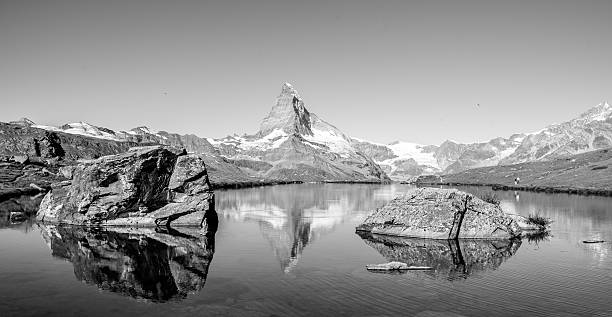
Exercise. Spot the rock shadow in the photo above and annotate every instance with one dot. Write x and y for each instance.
(450, 259)
(156, 264)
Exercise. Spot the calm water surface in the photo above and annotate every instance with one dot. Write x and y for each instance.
(292, 251)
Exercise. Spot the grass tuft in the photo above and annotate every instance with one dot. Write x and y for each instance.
(539, 220)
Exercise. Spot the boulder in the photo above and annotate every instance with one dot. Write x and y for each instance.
(441, 214)
(145, 186)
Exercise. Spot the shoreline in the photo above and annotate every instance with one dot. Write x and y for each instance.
(530, 188)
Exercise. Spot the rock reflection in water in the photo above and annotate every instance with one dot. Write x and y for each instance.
(290, 217)
(145, 263)
(450, 259)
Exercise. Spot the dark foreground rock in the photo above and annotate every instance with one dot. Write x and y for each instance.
(441, 214)
(145, 186)
(153, 264)
(451, 259)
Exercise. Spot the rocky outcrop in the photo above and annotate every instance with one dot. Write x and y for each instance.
(23, 175)
(145, 186)
(441, 214)
(157, 265)
(452, 259)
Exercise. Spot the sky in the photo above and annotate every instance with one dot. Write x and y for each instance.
(378, 70)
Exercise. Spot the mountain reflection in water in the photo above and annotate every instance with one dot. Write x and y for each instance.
(145, 263)
(292, 216)
(450, 259)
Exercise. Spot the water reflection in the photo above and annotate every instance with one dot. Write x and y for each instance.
(152, 264)
(450, 259)
(575, 217)
(292, 216)
(16, 213)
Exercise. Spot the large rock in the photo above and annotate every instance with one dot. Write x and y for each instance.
(441, 214)
(145, 186)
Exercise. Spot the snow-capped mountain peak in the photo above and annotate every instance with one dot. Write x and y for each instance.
(601, 112)
(297, 143)
(288, 114)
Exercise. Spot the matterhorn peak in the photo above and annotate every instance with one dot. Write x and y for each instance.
(287, 89)
(288, 114)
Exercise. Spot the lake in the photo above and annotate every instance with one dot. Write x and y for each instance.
(292, 250)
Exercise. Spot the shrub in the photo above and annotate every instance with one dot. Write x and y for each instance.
(538, 220)
(490, 198)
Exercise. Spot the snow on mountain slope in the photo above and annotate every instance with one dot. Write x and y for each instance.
(415, 151)
(300, 146)
(404, 160)
(83, 128)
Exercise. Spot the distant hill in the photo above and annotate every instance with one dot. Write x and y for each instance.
(586, 173)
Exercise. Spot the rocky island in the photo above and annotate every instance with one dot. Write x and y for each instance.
(441, 214)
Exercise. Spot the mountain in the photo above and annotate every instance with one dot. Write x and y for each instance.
(404, 160)
(295, 144)
(592, 130)
(291, 145)
(81, 140)
(585, 173)
(140, 135)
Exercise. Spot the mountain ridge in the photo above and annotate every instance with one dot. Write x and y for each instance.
(293, 143)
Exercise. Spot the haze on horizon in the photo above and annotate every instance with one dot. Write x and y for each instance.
(378, 70)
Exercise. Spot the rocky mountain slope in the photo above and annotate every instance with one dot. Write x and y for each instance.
(75, 141)
(295, 144)
(292, 145)
(584, 173)
(592, 130)
(404, 160)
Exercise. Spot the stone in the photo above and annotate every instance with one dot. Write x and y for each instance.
(145, 186)
(21, 159)
(441, 214)
(524, 224)
(395, 266)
